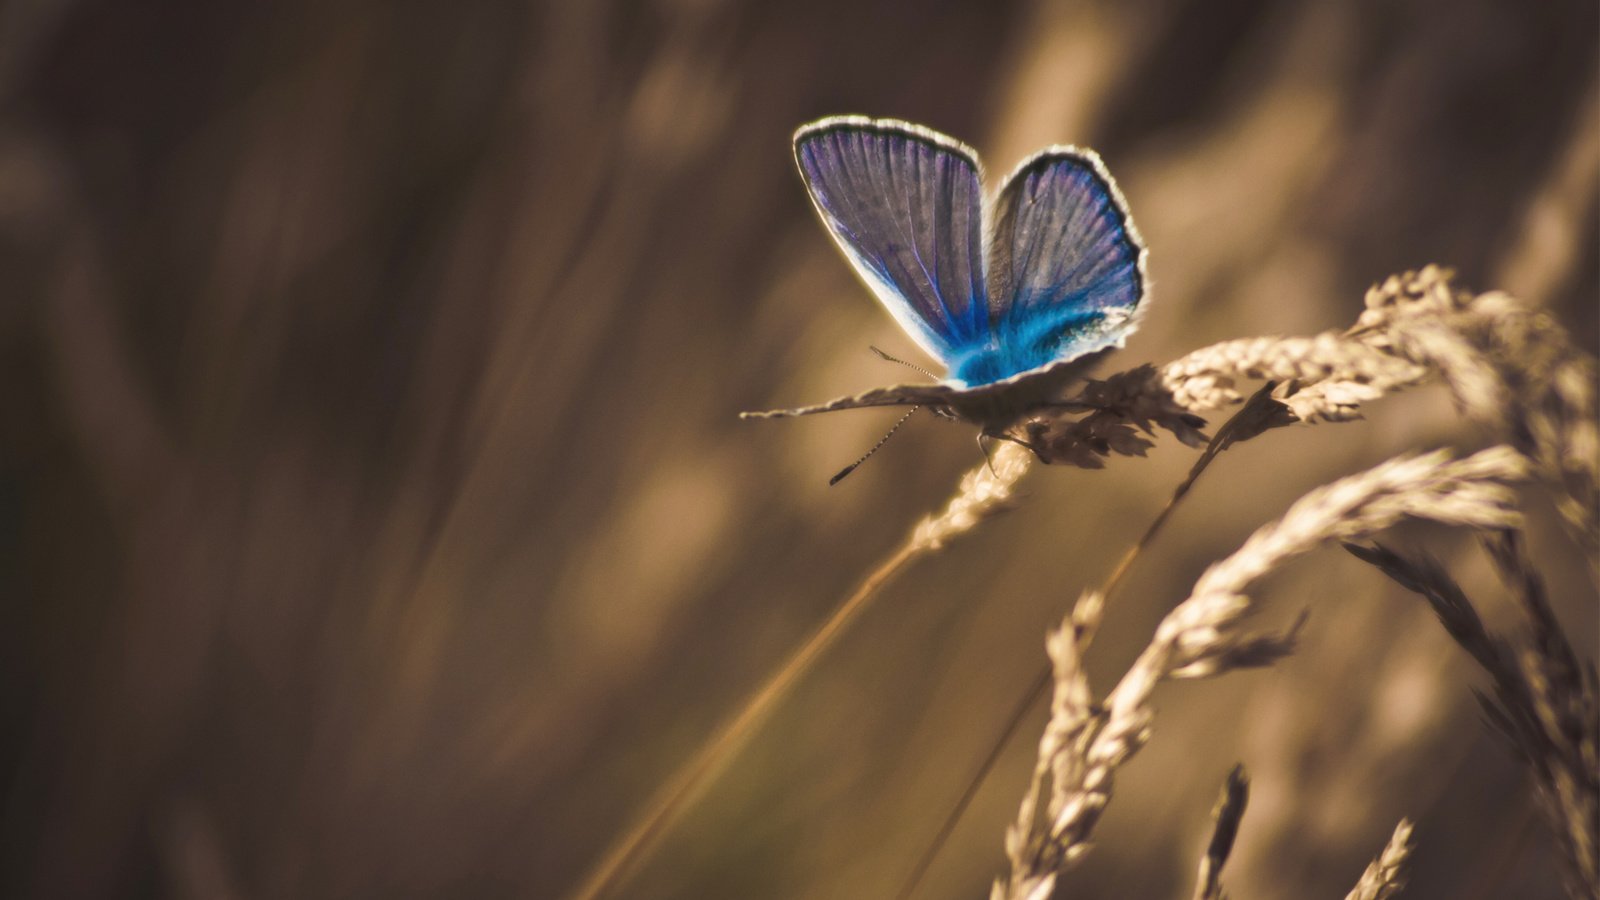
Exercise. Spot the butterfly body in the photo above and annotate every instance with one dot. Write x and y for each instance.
(1017, 297)
(994, 405)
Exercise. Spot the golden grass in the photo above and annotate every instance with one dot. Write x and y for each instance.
(1511, 371)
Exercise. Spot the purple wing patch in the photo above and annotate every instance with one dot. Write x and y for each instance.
(905, 205)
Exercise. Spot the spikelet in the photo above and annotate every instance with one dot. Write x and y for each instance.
(1085, 744)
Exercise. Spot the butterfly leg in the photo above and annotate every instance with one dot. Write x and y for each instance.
(1007, 436)
(984, 449)
(1027, 442)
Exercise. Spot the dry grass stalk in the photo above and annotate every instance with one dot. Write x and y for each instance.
(1335, 373)
(1386, 876)
(1494, 356)
(985, 491)
(1511, 369)
(1084, 743)
(1544, 702)
(1119, 408)
(1257, 415)
(1225, 818)
(1566, 700)
(1415, 326)
(1324, 378)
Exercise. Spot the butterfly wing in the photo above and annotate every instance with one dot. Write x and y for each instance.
(990, 405)
(905, 205)
(899, 395)
(1066, 267)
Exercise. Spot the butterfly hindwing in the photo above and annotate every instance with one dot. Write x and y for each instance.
(1066, 267)
(905, 205)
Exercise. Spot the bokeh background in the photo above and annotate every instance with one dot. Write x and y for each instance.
(376, 521)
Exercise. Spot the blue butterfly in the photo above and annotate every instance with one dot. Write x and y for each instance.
(1015, 310)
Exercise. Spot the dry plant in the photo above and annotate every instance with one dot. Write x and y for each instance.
(1416, 327)
(1085, 742)
(1544, 702)
(984, 492)
(1387, 875)
(1510, 370)
(1225, 818)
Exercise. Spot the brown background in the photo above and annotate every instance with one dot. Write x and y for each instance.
(377, 524)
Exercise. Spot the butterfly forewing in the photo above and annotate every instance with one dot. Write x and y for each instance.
(904, 204)
(1066, 267)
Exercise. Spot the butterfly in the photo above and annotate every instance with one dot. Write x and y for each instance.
(1016, 298)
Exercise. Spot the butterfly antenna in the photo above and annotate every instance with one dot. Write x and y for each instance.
(881, 441)
(895, 359)
(984, 449)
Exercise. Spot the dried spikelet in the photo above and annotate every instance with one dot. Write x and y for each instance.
(1511, 369)
(1225, 818)
(1348, 371)
(1084, 745)
(1035, 859)
(1386, 876)
(1120, 408)
(1544, 703)
(1419, 294)
(1566, 706)
(1323, 378)
(984, 491)
(1468, 492)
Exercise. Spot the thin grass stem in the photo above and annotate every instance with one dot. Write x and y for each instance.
(984, 491)
(683, 788)
(1226, 436)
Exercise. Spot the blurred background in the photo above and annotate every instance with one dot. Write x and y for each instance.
(376, 518)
